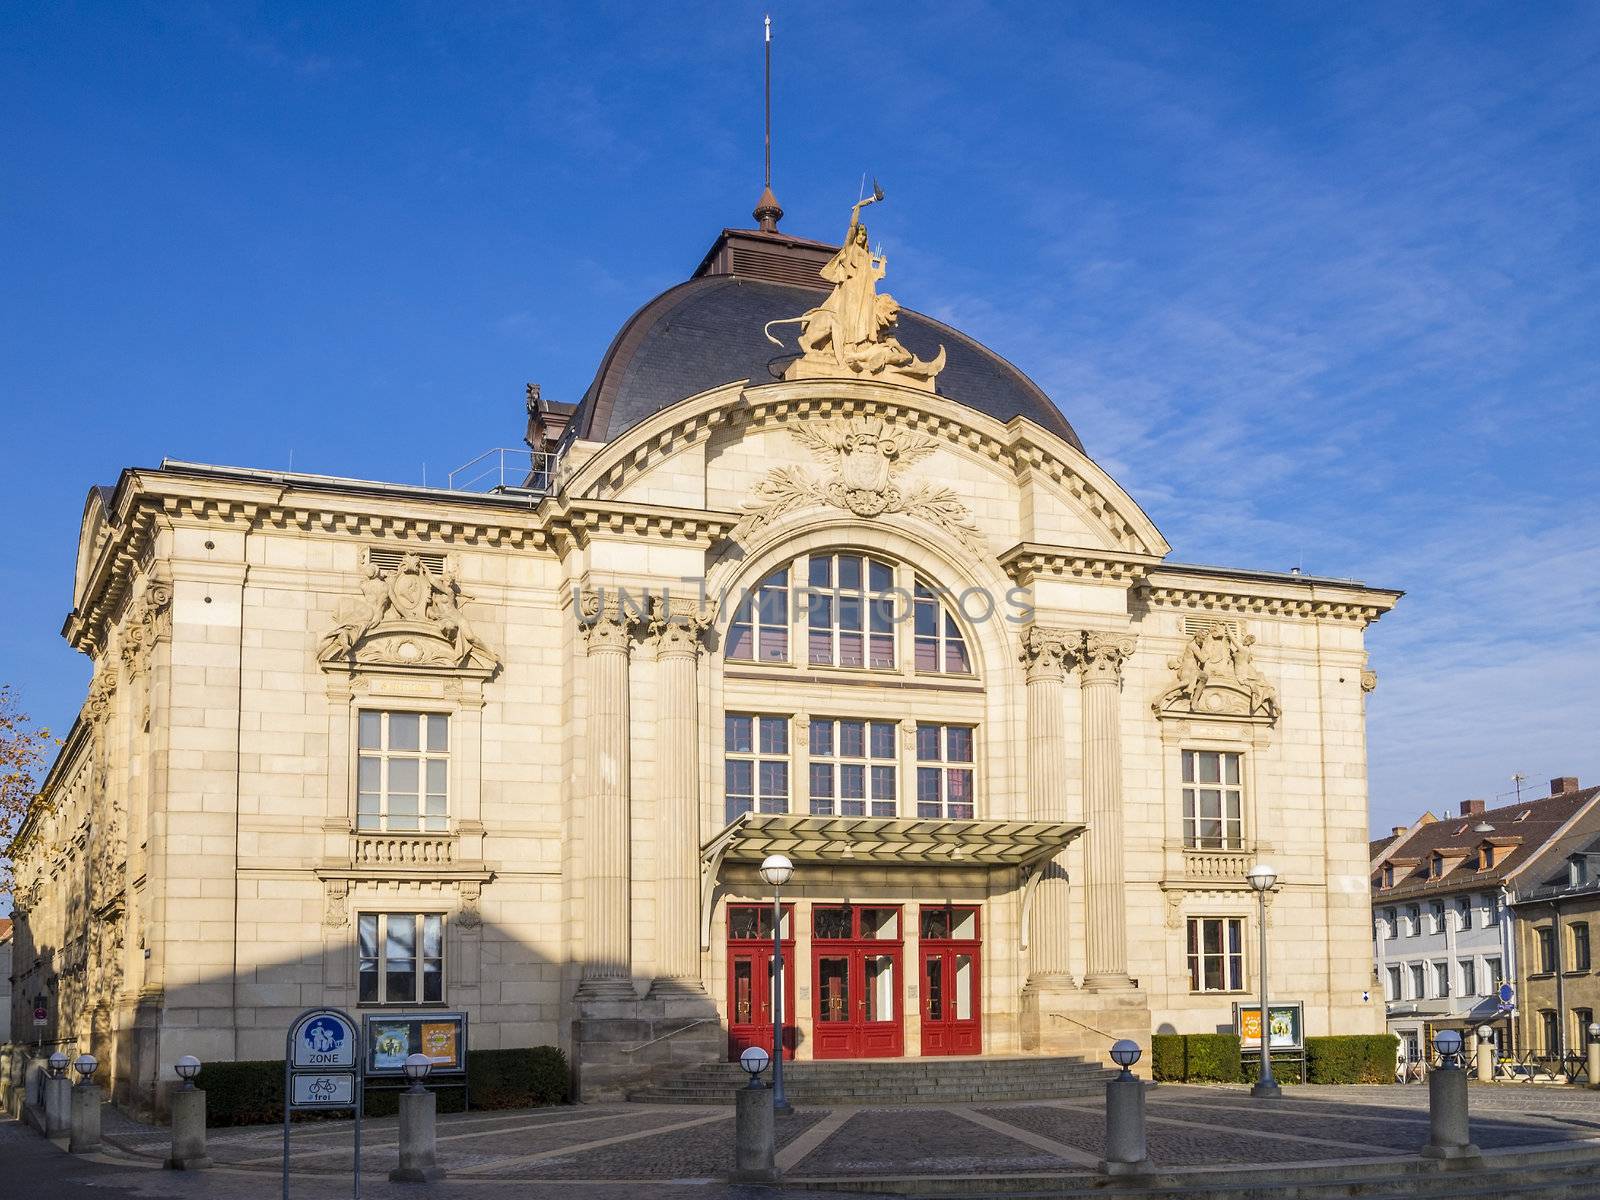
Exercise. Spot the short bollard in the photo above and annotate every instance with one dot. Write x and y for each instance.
(1448, 1137)
(84, 1134)
(1485, 1054)
(418, 1136)
(1125, 1142)
(57, 1098)
(755, 1156)
(188, 1120)
(1594, 1054)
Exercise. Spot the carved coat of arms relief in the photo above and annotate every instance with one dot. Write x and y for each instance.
(864, 458)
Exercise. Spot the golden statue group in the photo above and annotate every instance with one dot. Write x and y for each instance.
(848, 335)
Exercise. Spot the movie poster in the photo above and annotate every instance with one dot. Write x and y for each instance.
(439, 1043)
(391, 1042)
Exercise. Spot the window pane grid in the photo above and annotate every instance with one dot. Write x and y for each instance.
(945, 771)
(1213, 800)
(759, 631)
(937, 644)
(849, 612)
(403, 772)
(1216, 954)
(755, 764)
(400, 958)
(852, 768)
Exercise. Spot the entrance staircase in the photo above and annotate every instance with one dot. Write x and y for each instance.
(987, 1080)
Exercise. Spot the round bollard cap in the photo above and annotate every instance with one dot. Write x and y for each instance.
(754, 1060)
(1447, 1042)
(85, 1065)
(417, 1066)
(1125, 1053)
(187, 1067)
(58, 1063)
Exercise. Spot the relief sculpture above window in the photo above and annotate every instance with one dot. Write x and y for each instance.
(407, 617)
(1217, 675)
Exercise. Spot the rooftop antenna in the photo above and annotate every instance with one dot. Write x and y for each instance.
(1518, 780)
(768, 212)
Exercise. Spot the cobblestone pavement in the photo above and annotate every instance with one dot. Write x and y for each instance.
(597, 1152)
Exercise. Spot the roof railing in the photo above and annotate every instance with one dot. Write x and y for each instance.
(507, 471)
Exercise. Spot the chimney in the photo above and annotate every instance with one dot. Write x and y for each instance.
(1398, 830)
(1471, 808)
(1563, 785)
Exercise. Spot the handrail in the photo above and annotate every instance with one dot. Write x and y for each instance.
(1086, 1025)
(669, 1033)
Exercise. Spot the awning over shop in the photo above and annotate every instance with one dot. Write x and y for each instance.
(882, 841)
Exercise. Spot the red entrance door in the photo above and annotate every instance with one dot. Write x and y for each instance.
(750, 978)
(951, 960)
(856, 962)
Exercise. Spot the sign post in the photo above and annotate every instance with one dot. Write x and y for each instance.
(322, 1069)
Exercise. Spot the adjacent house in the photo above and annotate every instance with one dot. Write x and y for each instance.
(1442, 924)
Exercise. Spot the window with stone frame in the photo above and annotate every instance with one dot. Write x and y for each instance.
(1216, 954)
(402, 772)
(755, 764)
(852, 767)
(1464, 912)
(400, 958)
(850, 611)
(945, 771)
(1469, 977)
(1213, 800)
(1578, 935)
(1436, 916)
(1394, 986)
(759, 631)
(1392, 920)
(1413, 920)
(1419, 982)
(1494, 976)
(1549, 1031)
(1582, 1018)
(937, 642)
(1545, 940)
(1441, 979)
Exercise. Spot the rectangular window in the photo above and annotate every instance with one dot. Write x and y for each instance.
(755, 764)
(1394, 985)
(937, 643)
(1464, 911)
(1469, 977)
(1580, 945)
(759, 631)
(852, 768)
(1436, 917)
(1441, 979)
(1493, 976)
(945, 771)
(1394, 929)
(1582, 1018)
(403, 772)
(1547, 948)
(1547, 1030)
(1419, 982)
(849, 611)
(1213, 801)
(1216, 954)
(401, 958)
(1413, 920)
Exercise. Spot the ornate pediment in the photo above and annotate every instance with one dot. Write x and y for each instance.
(407, 618)
(864, 457)
(1216, 676)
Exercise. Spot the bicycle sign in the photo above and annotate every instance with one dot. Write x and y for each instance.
(324, 1091)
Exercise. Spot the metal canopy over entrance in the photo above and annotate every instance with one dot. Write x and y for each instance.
(882, 841)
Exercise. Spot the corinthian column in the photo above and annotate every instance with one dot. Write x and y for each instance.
(607, 957)
(676, 628)
(1100, 658)
(1045, 654)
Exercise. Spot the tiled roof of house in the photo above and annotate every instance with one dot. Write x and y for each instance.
(1520, 831)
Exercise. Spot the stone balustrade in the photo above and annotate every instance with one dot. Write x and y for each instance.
(404, 849)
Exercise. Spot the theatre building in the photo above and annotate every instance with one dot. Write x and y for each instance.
(861, 597)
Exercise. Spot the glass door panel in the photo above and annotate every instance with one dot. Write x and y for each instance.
(879, 992)
(932, 987)
(833, 990)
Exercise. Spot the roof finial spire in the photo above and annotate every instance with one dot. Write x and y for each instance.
(768, 212)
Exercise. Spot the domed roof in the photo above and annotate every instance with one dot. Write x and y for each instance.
(710, 331)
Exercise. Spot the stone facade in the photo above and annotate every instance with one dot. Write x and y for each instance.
(357, 745)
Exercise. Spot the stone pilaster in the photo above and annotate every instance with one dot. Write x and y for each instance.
(1046, 654)
(608, 956)
(677, 629)
(1100, 657)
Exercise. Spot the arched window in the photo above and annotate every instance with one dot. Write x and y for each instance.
(849, 613)
(937, 641)
(759, 631)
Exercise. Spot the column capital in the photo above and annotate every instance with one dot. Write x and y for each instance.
(1100, 656)
(678, 626)
(1046, 653)
(605, 621)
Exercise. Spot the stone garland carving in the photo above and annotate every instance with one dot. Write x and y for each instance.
(848, 335)
(470, 916)
(678, 626)
(866, 455)
(336, 909)
(406, 617)
(1217, 675)
(1100, 656)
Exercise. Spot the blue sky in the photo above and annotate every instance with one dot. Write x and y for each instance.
(1318, 284)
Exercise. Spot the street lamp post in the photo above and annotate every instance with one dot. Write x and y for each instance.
(775, 871)
(1262, 877)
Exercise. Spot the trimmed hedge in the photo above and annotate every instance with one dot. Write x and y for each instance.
(251, 1093)
(1195, 1058)
(1352, 1058)
(1166, 1057)
(1285, 1067)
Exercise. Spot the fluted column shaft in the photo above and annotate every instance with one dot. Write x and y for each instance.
(1045, 654)
(608, 958)
(1100, 671)
(677, 629)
